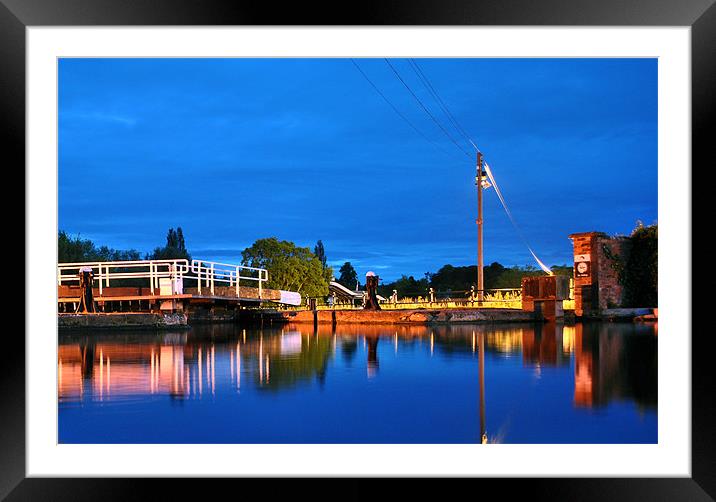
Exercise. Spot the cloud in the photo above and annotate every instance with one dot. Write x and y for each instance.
(69, 116)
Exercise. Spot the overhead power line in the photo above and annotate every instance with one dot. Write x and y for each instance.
(395, 109)
(425, 109)
(431, 89)
(434, 93)
(457, 125)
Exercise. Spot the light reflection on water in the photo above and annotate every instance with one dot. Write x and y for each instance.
(543, 383)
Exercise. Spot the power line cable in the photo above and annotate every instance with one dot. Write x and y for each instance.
(429, 86)
(425, 109)
(431, 89)
(521, 235)
(398, 112)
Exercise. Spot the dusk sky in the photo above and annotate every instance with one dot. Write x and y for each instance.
(234, 150)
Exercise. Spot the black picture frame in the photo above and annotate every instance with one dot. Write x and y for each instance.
(700, 15)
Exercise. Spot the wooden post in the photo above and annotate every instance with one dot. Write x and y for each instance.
(238, 288)
(480, 277)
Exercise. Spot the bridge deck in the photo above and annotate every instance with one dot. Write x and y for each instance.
(160, 281)
(71, 294)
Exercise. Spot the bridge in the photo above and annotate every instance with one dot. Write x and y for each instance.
(168, 285)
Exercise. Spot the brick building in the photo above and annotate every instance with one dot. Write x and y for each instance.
(598, 263)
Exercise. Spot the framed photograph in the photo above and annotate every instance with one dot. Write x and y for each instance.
(416, 241)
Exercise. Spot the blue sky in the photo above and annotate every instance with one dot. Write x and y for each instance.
(233, 150)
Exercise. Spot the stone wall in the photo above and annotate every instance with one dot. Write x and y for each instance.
(122, 320)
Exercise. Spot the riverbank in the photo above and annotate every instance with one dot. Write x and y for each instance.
(625, 314)
(418, 316)
(133, 320)
(122, 320)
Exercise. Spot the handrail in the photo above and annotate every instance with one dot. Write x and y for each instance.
(176, 269)
(212, 272)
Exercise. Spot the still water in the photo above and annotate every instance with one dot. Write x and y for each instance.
(545, 383)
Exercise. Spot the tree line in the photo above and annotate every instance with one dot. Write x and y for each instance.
(457, 280)
(295, 268)
(76, 249)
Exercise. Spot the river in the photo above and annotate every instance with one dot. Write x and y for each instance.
(540, 383)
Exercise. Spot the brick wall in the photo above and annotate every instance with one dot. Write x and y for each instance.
(600, 288)
(613, 253)
(586, 288)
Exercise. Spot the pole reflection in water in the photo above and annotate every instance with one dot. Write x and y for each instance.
(372, 355)
(199, 370)
(213, 373)
(268, 369)
(483, 431)
(238, 367)
(424, 392)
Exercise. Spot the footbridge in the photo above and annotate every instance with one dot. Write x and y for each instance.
(166, 285)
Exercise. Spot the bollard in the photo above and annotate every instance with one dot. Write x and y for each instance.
(86, 304)
(371, 287)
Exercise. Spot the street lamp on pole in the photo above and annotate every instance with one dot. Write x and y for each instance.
(481, 182)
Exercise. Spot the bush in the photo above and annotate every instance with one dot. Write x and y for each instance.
(641, 273)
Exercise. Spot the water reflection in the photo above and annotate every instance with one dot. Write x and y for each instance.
(610, 366)
(601, 363)
(372, 355)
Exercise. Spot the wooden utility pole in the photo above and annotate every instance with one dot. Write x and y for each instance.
(478, 182)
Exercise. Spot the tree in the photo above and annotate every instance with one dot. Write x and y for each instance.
(75, 249)
(72, 250)
(496, 276)
(320, 253)
(174, 249)
(641, 271)
(405, 286)
(349, 276)
(290, 267)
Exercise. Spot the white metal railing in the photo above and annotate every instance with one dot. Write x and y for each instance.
(210, 273)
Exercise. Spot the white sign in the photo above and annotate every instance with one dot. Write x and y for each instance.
(290, 298)
(582, 257)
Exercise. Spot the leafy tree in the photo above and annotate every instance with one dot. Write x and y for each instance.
(566, 270)
(76, 249)
(641, 273)
(70, 250)
(174, 249)
(406, 286)
(320, 253)
(290, 267)
(461, 278)
(349, 276)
